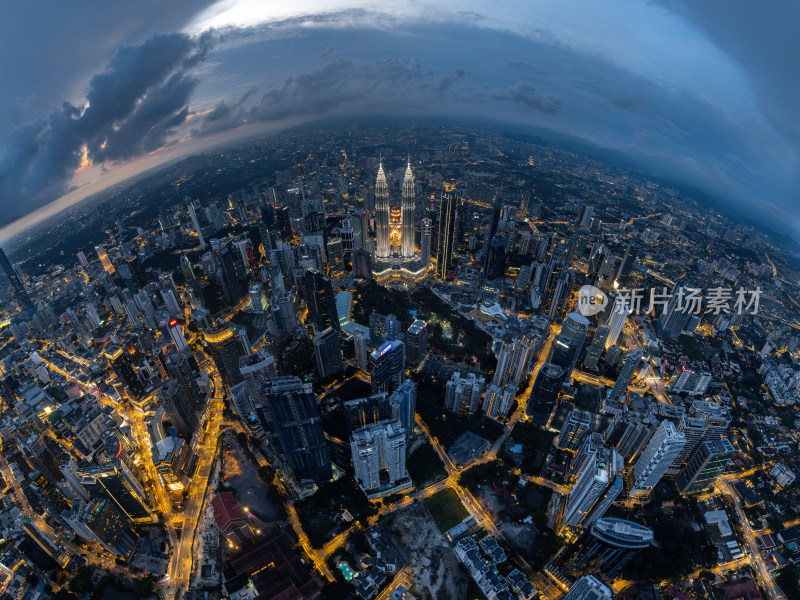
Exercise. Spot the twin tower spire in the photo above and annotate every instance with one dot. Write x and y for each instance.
(394, 228)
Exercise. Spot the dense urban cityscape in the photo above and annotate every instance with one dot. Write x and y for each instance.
(408, 361)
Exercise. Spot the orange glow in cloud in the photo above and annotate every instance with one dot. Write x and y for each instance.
(85, 162)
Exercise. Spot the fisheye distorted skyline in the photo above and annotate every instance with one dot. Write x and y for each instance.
(700, 92)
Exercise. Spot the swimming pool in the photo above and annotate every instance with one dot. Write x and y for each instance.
(346, 571)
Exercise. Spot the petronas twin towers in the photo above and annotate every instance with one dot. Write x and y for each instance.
(394, 226)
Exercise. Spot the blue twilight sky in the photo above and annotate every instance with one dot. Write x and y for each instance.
(705, 92)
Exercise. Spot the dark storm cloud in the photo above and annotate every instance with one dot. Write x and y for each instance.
(131, 108)
(327, 52)
(49, 50)
(448, 81)
(626, 102)
(529, 98)
(224, 116)
(762, 38)
(372, 86)
(342, 81)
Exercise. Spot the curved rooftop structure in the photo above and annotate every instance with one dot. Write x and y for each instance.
(622, 533)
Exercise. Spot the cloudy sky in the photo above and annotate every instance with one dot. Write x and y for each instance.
(93, 92)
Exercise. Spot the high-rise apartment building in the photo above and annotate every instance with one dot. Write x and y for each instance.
(656, 458)
(616, 321)
(706, 421)
(195, 222)
(379, 458)
(257, 370)
(626, 265)
(599, 483)
(689, 381)
(403, 404)
(516, 357)
(361, 345)
(629, 432)
(463, 393)
(497, 401)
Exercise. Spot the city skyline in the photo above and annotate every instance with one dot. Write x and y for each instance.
(342, 300)
(653, 100)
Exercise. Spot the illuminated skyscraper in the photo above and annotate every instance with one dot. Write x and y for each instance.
(176, 334)
(705, 465)
(104, 260)
(625, 267)
(616, 321)
(382, 214)
(407, 214)
(573, 335)
(447, 228)
(416, 342)
(122, 366)
(196, 223)
(321, 301)
(425, 241)
(387, 366)
(674, 318)
(226, 350)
